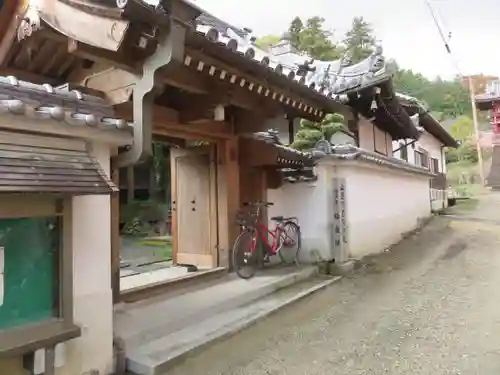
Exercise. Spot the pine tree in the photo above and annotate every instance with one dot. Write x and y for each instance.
(294, 31)
(359, 40)
(311, 132)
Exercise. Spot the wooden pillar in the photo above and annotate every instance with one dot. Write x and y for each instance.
(152, 188)
(228, 198)
(115, 235)
(130, 184)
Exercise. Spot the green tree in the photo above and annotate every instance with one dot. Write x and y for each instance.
(311, 132)
(313, 39)
(359, 40)
(294, 31)
(462, 129)
(448, 97)
(267, 41)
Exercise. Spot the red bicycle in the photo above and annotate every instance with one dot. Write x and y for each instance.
(257, 242)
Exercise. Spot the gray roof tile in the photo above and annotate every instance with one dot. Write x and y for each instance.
(331, 78)
(45, 102)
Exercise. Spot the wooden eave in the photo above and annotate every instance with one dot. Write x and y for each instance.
(390, 116)
(48, 56)
(309, 102)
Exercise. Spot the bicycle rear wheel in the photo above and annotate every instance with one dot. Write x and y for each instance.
(245, 257)
(291, 242)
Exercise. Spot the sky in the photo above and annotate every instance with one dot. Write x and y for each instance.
(405, 28)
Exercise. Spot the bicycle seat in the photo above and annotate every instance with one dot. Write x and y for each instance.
(278, 218)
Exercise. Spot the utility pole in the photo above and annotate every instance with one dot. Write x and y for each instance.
(476, 128)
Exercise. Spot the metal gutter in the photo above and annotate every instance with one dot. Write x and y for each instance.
(170, 51)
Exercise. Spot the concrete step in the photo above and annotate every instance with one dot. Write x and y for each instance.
(157, 356)
(148, 322)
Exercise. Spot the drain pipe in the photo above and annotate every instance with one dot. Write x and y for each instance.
(170, 50)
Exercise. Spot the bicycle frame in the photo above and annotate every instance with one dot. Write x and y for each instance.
(274, 242)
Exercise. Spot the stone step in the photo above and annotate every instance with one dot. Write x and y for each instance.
(145, 323)
(158, 356)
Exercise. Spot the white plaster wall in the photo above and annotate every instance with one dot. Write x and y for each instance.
(307, 202)
(93, 303)
(382, 204)
(428, 142)
(434, 147)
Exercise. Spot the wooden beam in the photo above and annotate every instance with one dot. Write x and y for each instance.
(209, 60)
(249, 122)
(166, 122)
(185, 79)
(85, 51)
(230, 93)
(200, 108)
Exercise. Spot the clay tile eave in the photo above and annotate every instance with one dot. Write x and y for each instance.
(219, 51)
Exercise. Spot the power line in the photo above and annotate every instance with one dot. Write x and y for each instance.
(443, 37)
(471, 89)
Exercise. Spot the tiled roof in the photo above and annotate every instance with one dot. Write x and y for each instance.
(45, 102)
(330, 78)
(426, 120)
(328, 82)
(349, 152)
(288, 154)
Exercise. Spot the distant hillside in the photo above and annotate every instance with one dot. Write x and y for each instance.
(445, 99)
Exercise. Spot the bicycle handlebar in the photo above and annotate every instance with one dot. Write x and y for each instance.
(258, 204)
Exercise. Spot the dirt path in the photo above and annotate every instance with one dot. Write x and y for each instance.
(430, 306)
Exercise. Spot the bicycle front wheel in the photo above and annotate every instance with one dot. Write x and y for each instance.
(245, 255)
(291, 242)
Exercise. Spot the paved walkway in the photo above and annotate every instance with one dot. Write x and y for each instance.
(431, 306)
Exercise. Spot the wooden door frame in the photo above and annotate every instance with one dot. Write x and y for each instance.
(224, 153)
(212, 199)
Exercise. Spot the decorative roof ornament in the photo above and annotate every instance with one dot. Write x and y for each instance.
(377, 60)
(323, 146)
(30, 23)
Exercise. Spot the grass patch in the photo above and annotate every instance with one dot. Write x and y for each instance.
(463, 205)
(165, 245)
(466, 204)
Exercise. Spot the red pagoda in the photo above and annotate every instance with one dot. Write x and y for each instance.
(490, 101)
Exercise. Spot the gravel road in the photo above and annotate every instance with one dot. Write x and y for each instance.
(430, 306)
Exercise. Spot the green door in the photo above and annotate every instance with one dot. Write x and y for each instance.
(30, 276)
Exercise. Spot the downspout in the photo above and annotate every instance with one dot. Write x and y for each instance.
(291, 130)
(170, 50)
(443, 164)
